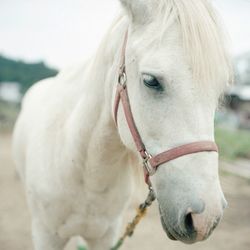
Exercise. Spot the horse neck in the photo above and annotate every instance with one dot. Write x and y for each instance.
(106, 159)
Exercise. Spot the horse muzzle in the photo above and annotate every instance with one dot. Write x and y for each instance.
(189, 226)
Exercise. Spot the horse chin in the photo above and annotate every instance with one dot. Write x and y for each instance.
(165, 227)
(170, 236)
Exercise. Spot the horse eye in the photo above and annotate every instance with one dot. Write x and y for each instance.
(151, 82)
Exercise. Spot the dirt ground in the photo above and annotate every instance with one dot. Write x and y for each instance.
(232, 234)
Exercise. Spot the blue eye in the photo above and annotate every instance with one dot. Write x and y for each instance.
(151, 82)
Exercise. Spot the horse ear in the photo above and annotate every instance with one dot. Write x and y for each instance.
(136, 10)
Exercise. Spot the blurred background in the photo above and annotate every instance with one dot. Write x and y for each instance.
(38, 38)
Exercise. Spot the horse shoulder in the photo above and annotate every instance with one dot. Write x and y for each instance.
(45, 108)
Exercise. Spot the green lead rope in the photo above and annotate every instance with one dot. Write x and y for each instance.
(81, 248)
(140, 214)
(118, 244)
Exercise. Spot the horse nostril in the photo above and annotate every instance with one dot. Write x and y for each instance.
(196, 208)
(188, 222)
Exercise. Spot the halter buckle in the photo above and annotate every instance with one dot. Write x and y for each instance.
(122, 79)
(146, 164)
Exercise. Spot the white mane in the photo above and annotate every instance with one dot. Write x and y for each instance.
(203, 37)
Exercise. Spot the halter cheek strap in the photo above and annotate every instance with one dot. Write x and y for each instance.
(150, 163)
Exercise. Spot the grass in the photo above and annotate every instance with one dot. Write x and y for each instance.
(233, 143)
(81, 248)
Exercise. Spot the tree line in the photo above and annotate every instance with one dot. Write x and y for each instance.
(23, 73)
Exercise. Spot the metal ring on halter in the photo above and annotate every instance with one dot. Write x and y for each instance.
(122, 79)
(150, 170)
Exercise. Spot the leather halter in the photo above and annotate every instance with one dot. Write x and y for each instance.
(150, 163)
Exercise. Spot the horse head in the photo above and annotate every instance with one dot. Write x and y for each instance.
(177, 68)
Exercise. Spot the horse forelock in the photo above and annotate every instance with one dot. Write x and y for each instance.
(203, 38)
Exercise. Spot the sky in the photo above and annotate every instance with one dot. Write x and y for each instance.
(66, 32)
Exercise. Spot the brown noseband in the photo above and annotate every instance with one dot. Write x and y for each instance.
(150, 163)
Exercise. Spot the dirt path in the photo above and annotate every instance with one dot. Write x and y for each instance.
(232, 234)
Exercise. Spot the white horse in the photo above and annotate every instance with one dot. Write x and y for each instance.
(77, 166)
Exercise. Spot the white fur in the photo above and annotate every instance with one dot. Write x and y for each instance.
(77, 166)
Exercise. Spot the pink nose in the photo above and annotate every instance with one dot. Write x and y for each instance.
(200, 221)
(203, 224)
(195, 224)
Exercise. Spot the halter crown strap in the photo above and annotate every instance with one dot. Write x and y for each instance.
(122, 96)
(151, 163)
